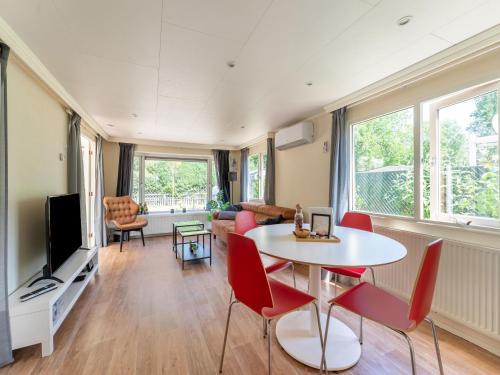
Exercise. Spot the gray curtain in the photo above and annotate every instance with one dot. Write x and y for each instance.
(221, 160)
(269, 183)
(339, 165)
(76, 180)
(5, 342)
(101, 237)
(125, 164)
(244, 175)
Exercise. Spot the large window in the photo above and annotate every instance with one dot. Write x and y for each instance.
(172, 183)
(461, 181)
(383, 164)
(457, 164)
(256, 175)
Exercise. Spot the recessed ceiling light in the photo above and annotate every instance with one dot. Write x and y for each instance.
(139, 133)
(110, 125)
(404, 20)
(309, 83)
(231, 64)
(134, 115)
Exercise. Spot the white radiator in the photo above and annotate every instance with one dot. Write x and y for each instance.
(161, 223)
(467, 296)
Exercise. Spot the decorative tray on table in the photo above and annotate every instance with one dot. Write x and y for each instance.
(304, 235)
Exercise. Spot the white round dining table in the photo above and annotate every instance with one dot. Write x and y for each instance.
(297, 332)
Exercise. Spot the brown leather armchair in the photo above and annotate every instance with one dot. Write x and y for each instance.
(121, 215)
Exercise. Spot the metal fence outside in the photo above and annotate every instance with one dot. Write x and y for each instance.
(165, 202)
(471, 191)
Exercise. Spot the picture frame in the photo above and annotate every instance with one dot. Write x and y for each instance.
(321, 224)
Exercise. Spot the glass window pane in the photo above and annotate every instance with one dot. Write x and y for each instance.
(135, 179)
(468, 157)
(383, 164)
(215, 185)
(175, 184)
(253, 176)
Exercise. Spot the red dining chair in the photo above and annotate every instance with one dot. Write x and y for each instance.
(359, 221)
(267, 297)
(382, 307)
(244, 221)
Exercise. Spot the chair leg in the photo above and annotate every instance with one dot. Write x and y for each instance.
(293, 276)
(269, 334)
(142, 236)
(361, 330)
(225, 334)
(323, 355)
(412, 352)
(373, 275)
(264, 327)
(436, 344)
(121, 240)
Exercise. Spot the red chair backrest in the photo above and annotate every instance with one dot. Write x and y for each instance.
(246, 274)
(423, 290)
(357, 220)
(244, 221)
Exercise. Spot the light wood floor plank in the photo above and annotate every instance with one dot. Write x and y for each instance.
(144, 315)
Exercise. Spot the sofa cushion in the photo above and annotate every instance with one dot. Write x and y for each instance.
(227, 215)
(274, 211)
(234, 207)
(251, 206)
(270, 220)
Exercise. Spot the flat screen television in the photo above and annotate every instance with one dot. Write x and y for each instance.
(64, 229)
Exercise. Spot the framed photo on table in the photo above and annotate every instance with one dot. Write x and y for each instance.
(321, 224)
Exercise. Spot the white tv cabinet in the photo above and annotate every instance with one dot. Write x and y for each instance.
(37, 320)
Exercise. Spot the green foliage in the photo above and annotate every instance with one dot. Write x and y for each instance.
(466, 189)
(175, 178)
(217, 204)
(486, 107)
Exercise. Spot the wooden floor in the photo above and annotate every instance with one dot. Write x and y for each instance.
(143, 315)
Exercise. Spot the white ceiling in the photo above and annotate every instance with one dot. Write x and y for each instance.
(165, 60)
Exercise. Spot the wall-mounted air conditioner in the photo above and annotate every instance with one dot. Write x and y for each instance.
(294, 135)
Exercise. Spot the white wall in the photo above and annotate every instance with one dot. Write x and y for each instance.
(37, 133)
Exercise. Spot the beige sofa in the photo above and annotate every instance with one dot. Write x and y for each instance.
(220, 228)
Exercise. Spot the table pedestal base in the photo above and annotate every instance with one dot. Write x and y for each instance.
(294, 335)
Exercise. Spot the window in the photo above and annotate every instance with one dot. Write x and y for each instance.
(88, 157)
(461, 158)
(383, 164)
(172, 183)
(256, 176)
(458, 160)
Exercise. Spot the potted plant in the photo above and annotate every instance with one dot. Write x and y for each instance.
(217, 204)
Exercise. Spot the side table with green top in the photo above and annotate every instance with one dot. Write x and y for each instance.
(192, 250)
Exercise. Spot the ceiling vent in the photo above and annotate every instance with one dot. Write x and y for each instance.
(295, 135)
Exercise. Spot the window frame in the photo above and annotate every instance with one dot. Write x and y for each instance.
(190, 158)
(435, 157)
(88, 158)
(481, 225)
